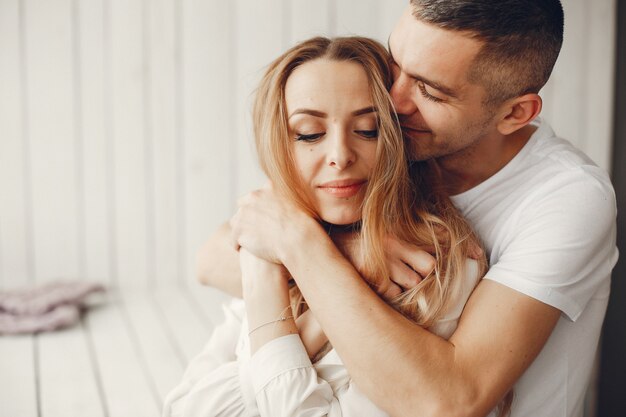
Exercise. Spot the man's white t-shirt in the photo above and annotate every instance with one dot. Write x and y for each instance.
(547, 220)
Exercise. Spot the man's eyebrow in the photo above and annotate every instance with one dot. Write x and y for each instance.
(434, 84)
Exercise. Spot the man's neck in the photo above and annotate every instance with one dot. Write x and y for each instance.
(467, 168)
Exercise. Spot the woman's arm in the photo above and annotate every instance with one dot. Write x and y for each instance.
(282, 376)
(266, 294)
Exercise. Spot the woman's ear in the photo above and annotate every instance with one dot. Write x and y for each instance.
(518, 112)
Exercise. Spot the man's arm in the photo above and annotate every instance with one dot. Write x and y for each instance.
(500, 333)
(217, 263)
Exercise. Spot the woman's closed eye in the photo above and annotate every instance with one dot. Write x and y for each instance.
(368, 134)
(311, 137)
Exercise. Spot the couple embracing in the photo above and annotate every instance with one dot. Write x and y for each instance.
(428, 246)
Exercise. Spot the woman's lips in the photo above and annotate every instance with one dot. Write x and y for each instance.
(342, 189)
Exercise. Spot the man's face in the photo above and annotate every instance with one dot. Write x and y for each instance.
(441, 112)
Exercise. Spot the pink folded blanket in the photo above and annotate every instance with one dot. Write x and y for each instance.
(44, 307)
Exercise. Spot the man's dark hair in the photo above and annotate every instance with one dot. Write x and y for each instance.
(521, 40)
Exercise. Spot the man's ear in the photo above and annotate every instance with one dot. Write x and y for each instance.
(518, 112)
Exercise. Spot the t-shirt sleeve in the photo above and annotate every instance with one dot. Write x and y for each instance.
(560, 247)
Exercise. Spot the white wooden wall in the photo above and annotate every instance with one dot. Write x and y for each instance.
(124, 124)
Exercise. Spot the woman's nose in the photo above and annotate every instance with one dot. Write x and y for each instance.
(401, 95)
(341, 155)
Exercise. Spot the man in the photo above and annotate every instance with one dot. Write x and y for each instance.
(467, 74)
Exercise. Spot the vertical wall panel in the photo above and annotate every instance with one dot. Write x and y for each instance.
(577, 99)
(52, 137)
(257, 45)
(162, 122)
(93, 135)
(209, 131)
(137, 137)
(309, 19)
(129, 156)
(389, 14)
(77, 121)
(600, 80)
(568, 112)
(13, 186)
(359, 18)
(547, 95)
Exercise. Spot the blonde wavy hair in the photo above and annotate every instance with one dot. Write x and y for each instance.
(402, 199)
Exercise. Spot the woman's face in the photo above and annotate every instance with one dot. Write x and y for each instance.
(333, 126)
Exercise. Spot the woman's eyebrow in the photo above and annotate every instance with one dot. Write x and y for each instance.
(310, 112)
(365, 110)
(317, 113)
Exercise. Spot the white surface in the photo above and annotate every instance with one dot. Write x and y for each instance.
(18, 379)
(63, 357)
(127, 353)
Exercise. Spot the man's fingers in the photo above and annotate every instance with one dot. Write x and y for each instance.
(392, 291)
(420, 261)
(404, 276)
(475, 252)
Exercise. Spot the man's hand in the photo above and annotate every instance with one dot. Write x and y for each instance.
(264, 223)
(407, 263)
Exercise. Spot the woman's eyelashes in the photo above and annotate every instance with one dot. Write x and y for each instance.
(368, 134)
(313, 137)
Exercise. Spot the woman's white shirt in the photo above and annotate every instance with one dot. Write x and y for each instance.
(279, 379)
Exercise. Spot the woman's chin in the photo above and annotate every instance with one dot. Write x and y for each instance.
(338, 220)
(344, 214)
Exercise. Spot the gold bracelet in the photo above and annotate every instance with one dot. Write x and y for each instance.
(269, 322)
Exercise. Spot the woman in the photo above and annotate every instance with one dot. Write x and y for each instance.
(328, 140)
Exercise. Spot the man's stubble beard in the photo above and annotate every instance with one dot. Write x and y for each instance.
(452, 148)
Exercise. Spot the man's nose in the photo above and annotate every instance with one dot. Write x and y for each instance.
(341, 155)
(401, 94)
